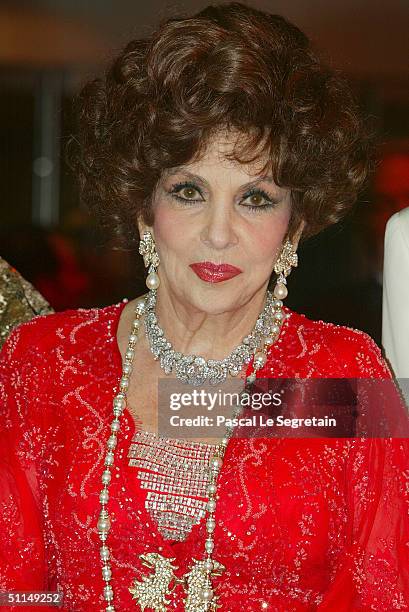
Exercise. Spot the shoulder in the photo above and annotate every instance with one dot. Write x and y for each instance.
(43, 333)
(19, 300)
(396, 260)
(398, 226)
(342, 350)
(339, 337)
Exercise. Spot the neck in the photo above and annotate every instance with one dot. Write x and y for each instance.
(210, 335)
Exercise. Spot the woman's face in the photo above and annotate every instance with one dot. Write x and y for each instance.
(221, 212)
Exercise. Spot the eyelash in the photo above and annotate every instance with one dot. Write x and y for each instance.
(253, 191)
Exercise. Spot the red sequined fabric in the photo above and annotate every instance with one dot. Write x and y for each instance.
(302, 524)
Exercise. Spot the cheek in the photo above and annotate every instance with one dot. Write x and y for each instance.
(265, 239)
(170, 233)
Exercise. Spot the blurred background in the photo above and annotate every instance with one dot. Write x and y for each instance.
(49, 48)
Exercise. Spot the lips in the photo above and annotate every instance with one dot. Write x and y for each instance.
(214, 273)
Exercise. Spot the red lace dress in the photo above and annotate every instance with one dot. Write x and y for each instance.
(302, 524)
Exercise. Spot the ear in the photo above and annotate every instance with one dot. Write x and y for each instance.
(142, 227)
(297, 235)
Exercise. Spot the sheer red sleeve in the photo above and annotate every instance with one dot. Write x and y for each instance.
(23, 565)
(373, 573)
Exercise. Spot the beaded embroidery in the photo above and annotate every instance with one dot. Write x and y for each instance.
(303, 523)
(175, 475)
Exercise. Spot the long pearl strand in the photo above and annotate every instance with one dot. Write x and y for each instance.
(216, 461)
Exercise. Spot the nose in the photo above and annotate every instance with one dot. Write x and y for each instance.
(218, 231)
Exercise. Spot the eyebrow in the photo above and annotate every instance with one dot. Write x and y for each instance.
(199, 179)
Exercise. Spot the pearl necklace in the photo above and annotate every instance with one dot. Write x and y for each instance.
(152, 591)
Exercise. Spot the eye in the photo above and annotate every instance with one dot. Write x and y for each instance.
(185, 192)
(257, 196)
(259, 200)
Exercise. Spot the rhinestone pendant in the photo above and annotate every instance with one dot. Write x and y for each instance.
(152, 591)
(200, 594)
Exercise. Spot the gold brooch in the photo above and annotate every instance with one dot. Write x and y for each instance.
(152, 591)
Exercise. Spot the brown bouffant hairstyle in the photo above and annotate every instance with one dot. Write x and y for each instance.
(229, 66)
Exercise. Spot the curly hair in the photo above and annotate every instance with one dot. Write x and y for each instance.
(229, 66)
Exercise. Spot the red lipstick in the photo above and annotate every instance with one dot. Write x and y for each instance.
(214, 273)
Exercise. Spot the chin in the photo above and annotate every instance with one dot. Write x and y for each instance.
(214, 299)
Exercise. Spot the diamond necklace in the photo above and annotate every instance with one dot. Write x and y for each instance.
(152, 591)
(195, 370)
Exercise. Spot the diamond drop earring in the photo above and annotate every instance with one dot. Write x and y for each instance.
(147, 249)
(287, 259)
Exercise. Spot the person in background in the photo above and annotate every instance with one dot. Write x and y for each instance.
(395, 315)
(19, 300)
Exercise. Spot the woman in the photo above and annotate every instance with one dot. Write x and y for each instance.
(217, 142)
